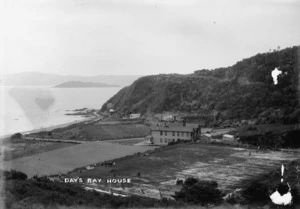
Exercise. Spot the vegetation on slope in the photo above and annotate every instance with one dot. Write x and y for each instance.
(288, 139)
(199, 192)
(243, 91)
(22, 192)
(25, 193)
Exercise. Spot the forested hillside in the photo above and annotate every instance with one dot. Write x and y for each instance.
(240, 92)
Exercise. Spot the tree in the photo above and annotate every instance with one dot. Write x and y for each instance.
(16, 136)
(14, 175)
(199, 192)
(257, 191)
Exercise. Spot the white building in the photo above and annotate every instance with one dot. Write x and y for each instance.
(110, 106)
(228, 138)
(167, 118)
(134, 116)
(205, 137)
(162, 135)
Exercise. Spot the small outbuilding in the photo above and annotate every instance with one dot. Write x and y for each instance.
(228, 138)
(134, 116)
(205, 137)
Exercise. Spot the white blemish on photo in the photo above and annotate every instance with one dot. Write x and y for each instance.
(285, 199)
(275, 73)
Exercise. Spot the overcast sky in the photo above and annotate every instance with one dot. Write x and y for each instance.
(139, 37)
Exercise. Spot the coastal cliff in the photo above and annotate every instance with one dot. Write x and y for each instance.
(245, 90)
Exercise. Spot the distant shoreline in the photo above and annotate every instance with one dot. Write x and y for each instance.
(80, 84)
(49, 128)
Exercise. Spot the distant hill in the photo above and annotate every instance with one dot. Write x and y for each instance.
(243, 91)
(43, 79)
(79, 84)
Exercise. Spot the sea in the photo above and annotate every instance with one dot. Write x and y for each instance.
(26, 108)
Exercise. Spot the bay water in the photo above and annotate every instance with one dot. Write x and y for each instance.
(25, 108)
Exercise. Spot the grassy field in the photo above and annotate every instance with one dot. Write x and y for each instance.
(229, 166)
(133, 141)
(71, 157)
(99, 131)
(21, 148)
(116, 131)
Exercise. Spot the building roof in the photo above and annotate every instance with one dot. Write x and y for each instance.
(228, 136)
(172, 128)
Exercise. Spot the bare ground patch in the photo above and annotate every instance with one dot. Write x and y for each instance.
(227, 165)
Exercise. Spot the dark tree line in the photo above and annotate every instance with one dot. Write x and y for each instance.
(289, 139)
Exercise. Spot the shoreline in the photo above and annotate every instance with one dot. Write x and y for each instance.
(50, 128)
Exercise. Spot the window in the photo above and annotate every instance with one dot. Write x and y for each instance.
(187, 134)
(161, 133)
(161, 140)
(182, 133)
(173, 133)
(178, 133)
(166, 133)
(166, 140)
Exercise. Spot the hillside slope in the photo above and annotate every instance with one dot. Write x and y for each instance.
(243, 91)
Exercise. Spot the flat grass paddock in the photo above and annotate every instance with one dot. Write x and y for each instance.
(99, 131)
(115, 131)
(133, 141)
(226, 165)
(14, 149)
(71, 157)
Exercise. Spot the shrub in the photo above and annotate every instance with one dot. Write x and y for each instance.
(16, 136)
(257, 191)
(14, 175)
(199, 192)
(273, 140)
(47, 193)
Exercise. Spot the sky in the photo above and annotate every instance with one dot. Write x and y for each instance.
(141, 37)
